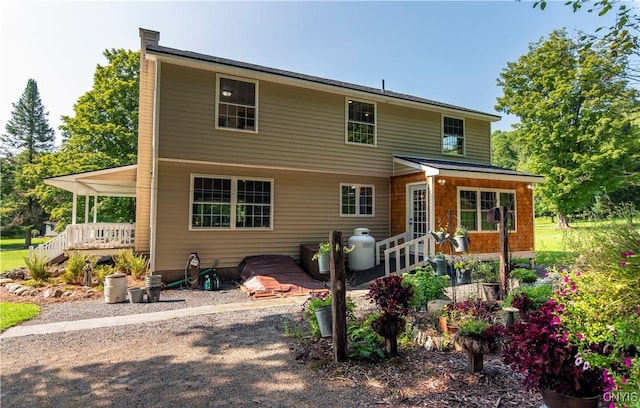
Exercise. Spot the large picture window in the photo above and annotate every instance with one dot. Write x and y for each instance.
(453, 136)
(473, 205)
(231, 203)
(237, 104)
(361, 122)
(356, 200)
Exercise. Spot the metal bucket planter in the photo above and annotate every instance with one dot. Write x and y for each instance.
(323, 263)
(153, 285)
(324, 318)
(464, 276)
(461, 243)
(135, 295)
(439, 265)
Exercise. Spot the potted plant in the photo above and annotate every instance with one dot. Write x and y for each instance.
(540, 350)
(487, 272)
(478, 337)
(464, 268)
(323, 257)
(455, 314)
(524, 276)
(439, 235)
(529, 298)
(316, 310)
(461, 239)
(392, 297)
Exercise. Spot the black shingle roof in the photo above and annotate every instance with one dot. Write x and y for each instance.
(462, 166)
(289, 74)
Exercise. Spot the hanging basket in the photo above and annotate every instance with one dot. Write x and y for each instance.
(461, 243)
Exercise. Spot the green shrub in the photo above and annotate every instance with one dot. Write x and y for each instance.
(38, 268)
(139, 266)
(537, 295)
(365, 343)
(426, 286)
(473, 328)
(524, 275)
(104, 271)
(134, 265)
(73, 273)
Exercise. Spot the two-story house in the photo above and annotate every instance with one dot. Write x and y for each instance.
(236, 159)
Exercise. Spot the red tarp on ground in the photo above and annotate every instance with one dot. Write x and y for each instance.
(275, 275)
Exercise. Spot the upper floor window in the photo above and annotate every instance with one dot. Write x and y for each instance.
(473, 205)
(361, 122)
(453, 136)
(237, 104)
(231, 203)
(356, 199)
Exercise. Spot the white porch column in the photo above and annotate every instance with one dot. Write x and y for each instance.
(95, 209)
(74, 209)
(86, 208)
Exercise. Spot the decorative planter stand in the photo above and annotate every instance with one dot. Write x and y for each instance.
(389, 329)
(491, 291)
(475, 348)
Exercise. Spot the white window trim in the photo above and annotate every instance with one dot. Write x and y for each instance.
(357, 186)
(233, 204)
(217, 107)
(464, 136)
(346, 122)
(478, 204)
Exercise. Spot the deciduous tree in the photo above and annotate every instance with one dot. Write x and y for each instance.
(575, 108)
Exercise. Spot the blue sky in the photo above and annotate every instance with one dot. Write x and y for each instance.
(448, 51)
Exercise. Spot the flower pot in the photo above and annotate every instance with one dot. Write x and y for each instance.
(554, 399)
(461, 243)
(491, 291)
(324, 261)
(325, 320)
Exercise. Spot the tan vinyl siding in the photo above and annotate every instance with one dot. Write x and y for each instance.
(145, 139)
(298, 129)
(306, 209)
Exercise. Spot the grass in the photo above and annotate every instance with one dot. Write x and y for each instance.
(12, 252)
(14, 313)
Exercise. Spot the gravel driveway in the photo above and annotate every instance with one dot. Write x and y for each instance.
(234, 359)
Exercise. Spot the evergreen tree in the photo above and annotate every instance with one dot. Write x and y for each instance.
(28, 136)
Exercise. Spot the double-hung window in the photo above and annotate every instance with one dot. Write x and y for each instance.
(231, 203)
(474, 204)
(453, 136)
(361, 122)
(237, 104)
(356, 200)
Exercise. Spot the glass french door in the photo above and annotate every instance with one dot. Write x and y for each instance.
(418, 216)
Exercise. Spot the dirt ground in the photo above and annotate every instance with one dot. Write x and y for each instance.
(236, 359)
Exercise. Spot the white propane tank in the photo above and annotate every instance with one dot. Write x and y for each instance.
(363, 255)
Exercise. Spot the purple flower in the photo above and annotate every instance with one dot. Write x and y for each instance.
(555, 321)
(623, 264)
(579, 336)
(573, 286)
(627, 361)
(623, 380)
(566, 279)
(578, 273)
(579, 361)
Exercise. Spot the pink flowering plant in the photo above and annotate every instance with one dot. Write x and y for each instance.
(540, 350)
(601, 311)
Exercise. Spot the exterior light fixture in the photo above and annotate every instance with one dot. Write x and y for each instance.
(226, 93)
(442, 182)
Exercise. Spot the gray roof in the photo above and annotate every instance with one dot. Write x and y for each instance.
(153, 48)
(462, 166)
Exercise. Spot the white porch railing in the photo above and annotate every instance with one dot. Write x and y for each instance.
(101, 235)
(417, 248)
(385, 244)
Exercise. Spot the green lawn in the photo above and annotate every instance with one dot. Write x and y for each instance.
(12, 252)
(14, 313)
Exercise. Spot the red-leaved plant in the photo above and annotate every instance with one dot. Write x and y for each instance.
(391, 296)
(539, 349)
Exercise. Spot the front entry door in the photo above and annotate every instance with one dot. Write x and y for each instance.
(417, 217)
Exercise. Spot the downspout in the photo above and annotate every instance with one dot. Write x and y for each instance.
(154, 168)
